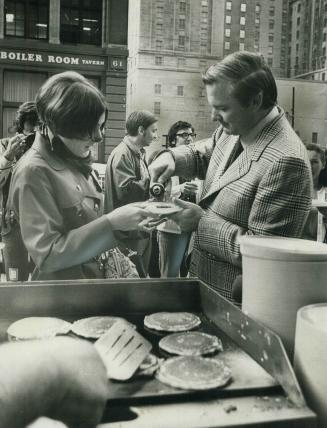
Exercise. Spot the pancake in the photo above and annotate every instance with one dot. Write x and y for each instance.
(194, 373)
(37, 328)
(191, 343)
(172, 321)
(149, 366)
(94, 327)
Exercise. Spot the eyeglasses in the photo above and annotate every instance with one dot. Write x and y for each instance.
(186, 135)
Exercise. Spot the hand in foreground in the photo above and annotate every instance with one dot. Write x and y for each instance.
(16, 146)
(162, 168)
(189, 188)
(131, 217)
(188, 218)
(62, 378)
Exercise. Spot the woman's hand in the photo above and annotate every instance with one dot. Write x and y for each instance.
(133, 216)
(16, 146)
(188, 218)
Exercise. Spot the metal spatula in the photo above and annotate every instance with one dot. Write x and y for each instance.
(122, 349)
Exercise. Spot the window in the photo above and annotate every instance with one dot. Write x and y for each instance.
(270, 62)
(181, 62)
(227, 46)
(270, 38)
(181, 40)
(243, 7)
(228, 5)
(242, 34)
(159, 44)
(180, 91)
(270, 50)
(228, 19)
(157, 88)
(272, 11)
(156, 108)
(27, 18)
(81, 21)
(159, 27)
(158, 60)
(227, 32)
(182, 24)
(298, 21)
(257, 21)
(299, 7)
(242, 20)
(182, 7)
(325, 37)
(314, 138)
(297, 35)
(323, 76)
(257, 8)
(241, 46)
(118, 21)
(271, 25)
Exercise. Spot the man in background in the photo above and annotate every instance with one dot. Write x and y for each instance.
(17, 263)
(127, 180)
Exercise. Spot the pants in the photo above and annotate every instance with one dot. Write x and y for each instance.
(172, 248)
(141, 259)
(17, 263)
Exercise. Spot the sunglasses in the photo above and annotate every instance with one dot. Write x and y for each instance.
(186, 135)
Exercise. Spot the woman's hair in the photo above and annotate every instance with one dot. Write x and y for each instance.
(248, 73)
(139, 118)
(175, 128)
(70, 105)
(26, 113)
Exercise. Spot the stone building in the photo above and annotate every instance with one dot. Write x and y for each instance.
(171, 42)
(308, 41)
(39, 38)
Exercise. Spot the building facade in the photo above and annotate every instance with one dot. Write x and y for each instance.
(172, 42)
(308, 41)
(39, 38)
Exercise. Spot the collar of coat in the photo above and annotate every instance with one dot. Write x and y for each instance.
(42, 146)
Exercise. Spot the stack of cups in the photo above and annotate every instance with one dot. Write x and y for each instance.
(310, 357)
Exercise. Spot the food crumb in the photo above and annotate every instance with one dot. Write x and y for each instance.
(230, 408)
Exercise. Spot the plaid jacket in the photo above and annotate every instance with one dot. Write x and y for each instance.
(265, 191)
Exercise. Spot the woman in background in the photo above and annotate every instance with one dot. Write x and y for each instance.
(55, 197)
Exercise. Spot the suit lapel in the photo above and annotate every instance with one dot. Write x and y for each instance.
(242, 164)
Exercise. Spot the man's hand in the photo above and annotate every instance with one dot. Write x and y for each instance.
(189, 188)
(188, 218)
(162, 168)
(16, 146)
(62, 378)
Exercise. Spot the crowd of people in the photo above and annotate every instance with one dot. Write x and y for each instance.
(253, 176)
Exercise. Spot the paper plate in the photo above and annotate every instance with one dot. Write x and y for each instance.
(319, 204)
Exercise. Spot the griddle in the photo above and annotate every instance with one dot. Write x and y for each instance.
(262, 374)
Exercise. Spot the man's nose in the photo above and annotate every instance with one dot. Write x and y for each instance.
(215, 116)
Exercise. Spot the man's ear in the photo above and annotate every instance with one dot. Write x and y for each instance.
(257, 100)
(140, 130)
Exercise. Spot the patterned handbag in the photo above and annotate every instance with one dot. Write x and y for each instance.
(116, 264)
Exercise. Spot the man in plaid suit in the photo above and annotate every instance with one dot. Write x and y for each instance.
(256, 171)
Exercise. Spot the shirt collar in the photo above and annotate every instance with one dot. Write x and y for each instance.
(251, 136)
(133, 147)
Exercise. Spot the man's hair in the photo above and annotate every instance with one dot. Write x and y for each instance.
(248, 73)
(26, 113)
(70, 105)
(139, 118)
(175, 128)
(311, 147)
